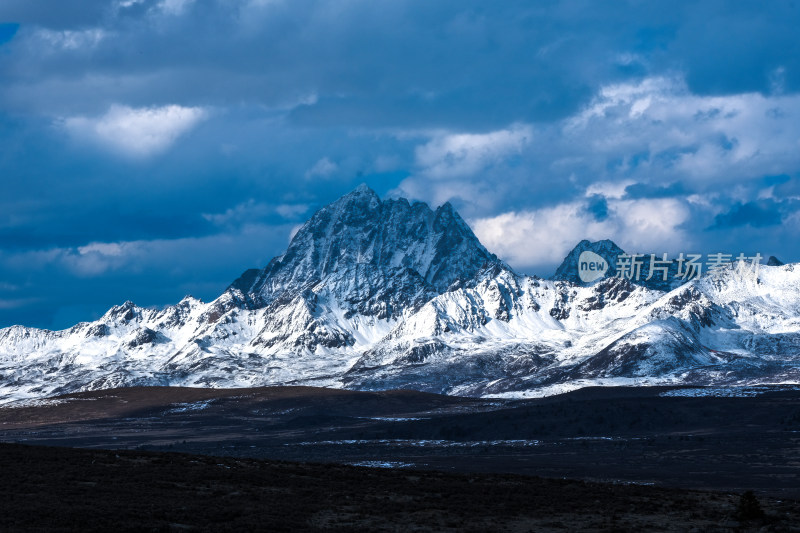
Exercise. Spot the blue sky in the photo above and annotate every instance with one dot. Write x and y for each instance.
(155, 148)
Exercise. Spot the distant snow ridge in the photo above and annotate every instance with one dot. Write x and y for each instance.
(374, 294)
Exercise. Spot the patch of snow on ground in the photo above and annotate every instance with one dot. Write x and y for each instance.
(382, 464)
(190, 406)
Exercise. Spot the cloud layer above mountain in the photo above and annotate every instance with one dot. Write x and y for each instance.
(152, 148)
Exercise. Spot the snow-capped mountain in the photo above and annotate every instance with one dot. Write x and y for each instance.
(377, 258)
(611, 253)
(376, 294)
(608, 250)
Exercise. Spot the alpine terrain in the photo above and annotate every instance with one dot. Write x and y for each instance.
(385, 294)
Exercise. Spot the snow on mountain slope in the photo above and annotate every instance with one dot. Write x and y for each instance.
(374, 294)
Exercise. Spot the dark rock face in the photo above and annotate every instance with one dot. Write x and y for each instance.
(123, 313)
(142, 337)
(608, 291)
(97, 330)
(561, 307)
(774, 261)
(379, 256)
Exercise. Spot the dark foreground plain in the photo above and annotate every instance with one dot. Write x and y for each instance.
(628, 435)
(632, 451)
(62, 489)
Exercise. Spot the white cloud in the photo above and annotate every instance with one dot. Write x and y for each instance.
(650, 224)
(456, 155)
(239, 214)
(174, 7)
(227, 251)
(777, 80)
(793, 221)
(539, 237)
(137, 132)
(85, 261)
(70, 39)
(709, 138)
(16, 303)
(103, 248)
(609, 189)
(471, 167)
(651, 131)
(323, 168)
(262, 3)
(291, 210)
(543, 237)
(480, 196)
(250, 212)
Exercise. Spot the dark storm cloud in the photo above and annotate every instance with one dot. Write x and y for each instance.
(756, 214)
(650, 190)
(402, 63)
(598, 207)
(156, 147)
(786, 186)
(740, 47)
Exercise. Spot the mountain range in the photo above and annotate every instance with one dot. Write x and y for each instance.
(384, 294)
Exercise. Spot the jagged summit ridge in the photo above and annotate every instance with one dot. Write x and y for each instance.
(360, 239)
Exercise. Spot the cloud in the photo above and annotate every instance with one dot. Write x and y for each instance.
(16, 303)
(542, 238)
(252, 212)
(132, 257)
(598, 207)
(175, 7)
(677, 133)
(648, 190)
(652, 224)
(291, 211)
(70, 39)
(112, 249)
(61, 286)
(455, 155)
(136, 132)
(613, 189)
(757, 214)
(249, 211)
(465, 165)
(323, 168)
(628, 141)
(86, 261)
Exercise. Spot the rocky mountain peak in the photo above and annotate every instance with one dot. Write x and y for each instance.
(607, 249)
(362, 241)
